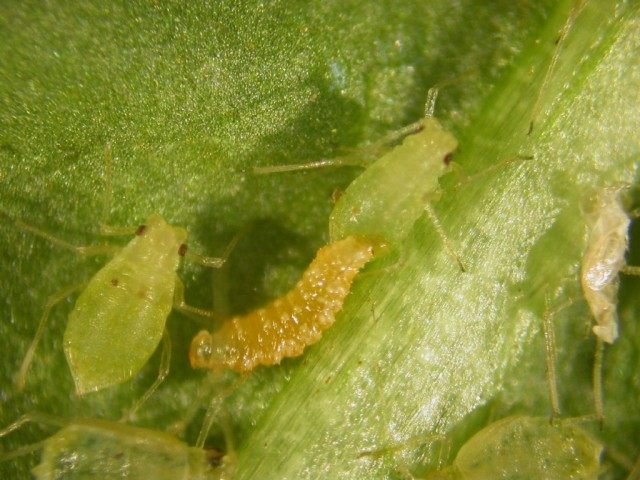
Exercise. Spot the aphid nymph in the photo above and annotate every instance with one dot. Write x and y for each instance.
(527, 447)
(119, 318)
(96, 449)
(289, 324)
(522, 447)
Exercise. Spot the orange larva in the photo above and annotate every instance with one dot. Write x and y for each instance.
(286, 326)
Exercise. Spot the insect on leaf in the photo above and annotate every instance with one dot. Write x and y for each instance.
(118, 320)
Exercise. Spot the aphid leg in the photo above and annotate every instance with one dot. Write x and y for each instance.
(216, 262)
(180, 305)
(550, 356)
(566, 28)
(430, 104)
(40, 418)
(630, 270)
(163, 372)
(414, 441)
(597, 381)
(213, 409)
(549, 333)
(443, 236)
(52, 301)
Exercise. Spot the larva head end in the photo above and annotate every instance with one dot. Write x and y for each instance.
(201, 350)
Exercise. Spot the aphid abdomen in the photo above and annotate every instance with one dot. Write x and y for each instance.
(119, 318)
(289, 324)
(99, 450)
(603, 260)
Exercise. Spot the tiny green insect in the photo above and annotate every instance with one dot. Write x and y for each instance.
(402, 169)
(523, 448)
(97, 449)
(119, 318)
(526, 448)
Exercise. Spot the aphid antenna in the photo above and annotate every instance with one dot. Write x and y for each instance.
(82, 250)
(459, 170)
(359, 157)
(576, 9)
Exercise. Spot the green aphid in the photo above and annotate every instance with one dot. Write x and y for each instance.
(97, 449)
(403, 176)
(405, 181)
(525, 448)
(119, 318)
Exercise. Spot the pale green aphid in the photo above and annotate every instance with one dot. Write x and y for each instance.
(526, 448)
(523, 448)
(404, 178)
(101, 450)
(119, 318)
(404, 181)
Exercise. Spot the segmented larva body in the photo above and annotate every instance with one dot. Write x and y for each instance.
(286, 326)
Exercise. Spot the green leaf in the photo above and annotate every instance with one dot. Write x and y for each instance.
(190, 97)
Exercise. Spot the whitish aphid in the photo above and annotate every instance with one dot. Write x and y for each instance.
(289, 324)
(602, 262)
(100, 450)
(521, 447)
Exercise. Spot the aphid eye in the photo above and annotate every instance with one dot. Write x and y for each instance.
(182, 251)
(448, 158)
(141, 229)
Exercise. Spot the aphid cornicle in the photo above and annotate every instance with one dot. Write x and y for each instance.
(101, 450)
(289, 324)
(119, 318)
